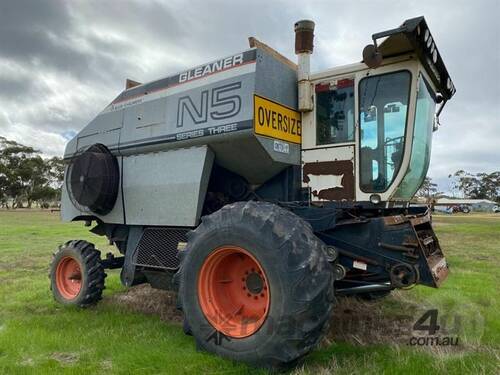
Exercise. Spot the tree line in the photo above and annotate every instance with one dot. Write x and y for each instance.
(468, 185)
(27, 178)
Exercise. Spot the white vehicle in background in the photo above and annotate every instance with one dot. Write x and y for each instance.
(496, 209)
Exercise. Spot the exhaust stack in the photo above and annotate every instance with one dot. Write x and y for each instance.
(304, 37)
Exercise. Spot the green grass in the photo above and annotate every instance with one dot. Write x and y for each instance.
(39, 336)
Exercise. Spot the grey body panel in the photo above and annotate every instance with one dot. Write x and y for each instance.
(163, 122)
(169, 133)
(275, 80)
(166, 187)
(105, 129)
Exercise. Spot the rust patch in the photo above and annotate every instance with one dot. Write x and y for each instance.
(342, 168)
(439, 269)
(421, 219)
(394, 220)
(304, 36)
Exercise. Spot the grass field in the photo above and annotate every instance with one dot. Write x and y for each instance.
(138, 331)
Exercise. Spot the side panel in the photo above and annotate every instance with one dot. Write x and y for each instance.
(104, 129)
(196, 109)
(275, 80)
(166, 188)
(329, 173)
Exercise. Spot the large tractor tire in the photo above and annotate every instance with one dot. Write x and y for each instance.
(76, 274)
(255, 285)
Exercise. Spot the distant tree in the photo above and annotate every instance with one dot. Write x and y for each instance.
(56, 171)
(479, 185)
(15, 165)
(428, 189)
(26, 177)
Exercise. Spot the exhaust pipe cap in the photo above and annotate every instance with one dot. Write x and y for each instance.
(304, 36)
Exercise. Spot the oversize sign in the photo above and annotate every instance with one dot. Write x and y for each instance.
(276, 121)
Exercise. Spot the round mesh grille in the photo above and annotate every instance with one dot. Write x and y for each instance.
(93, 179)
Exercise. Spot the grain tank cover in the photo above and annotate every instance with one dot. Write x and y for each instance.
(238, 112)
(212, 104)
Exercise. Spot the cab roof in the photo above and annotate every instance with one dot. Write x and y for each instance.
(414, 36)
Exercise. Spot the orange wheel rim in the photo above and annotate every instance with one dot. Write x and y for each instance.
(233, 291)
(68, 277)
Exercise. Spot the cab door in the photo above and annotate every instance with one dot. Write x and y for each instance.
(328, 146)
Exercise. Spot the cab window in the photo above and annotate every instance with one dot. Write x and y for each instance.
(383, 110)
(335, 112)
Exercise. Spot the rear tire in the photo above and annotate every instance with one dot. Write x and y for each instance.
(295, 273)
(76, 274)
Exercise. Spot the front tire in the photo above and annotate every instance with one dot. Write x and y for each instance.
(255, 285)
(76, 274)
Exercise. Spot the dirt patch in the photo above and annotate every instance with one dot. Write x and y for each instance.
(362, 322)
(27, 362)
(107, 365)
(387, 322)
(355, 321)
(65, 358)
(441, 224)
(144, 299)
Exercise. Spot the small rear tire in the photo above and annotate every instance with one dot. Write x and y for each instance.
(76, 274)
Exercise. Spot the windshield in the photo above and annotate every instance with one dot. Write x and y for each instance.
(383, 110)
(422, 142)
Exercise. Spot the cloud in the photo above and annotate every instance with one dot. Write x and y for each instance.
(61, 62)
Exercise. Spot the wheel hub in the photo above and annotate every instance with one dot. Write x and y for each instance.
(233, 291)
(254, 283)
(68, 278)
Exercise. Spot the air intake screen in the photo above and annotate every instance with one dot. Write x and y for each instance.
(94, 179)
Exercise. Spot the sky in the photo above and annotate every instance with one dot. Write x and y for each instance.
(62, 62)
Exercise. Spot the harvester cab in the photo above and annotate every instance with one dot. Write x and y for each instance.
(367, 127)
(258, 190)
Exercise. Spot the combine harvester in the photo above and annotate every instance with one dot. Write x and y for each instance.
(259, 190)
